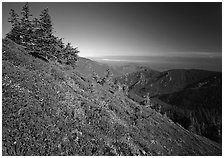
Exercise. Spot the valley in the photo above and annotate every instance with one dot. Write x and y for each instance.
(192, 98)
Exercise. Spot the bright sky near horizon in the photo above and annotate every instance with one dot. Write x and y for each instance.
(133, 29)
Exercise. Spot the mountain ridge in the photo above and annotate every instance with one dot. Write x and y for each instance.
(188, 92)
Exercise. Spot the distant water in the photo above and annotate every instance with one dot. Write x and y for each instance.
(165, 63)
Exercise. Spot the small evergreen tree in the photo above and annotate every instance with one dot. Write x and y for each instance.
(109, 75)
(14, 18)
(25, 25)
(70, 54)
(15, 32)
(35, 35)
(45, 22)
(46, 41)
(96, 77)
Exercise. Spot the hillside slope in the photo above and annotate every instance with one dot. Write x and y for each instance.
(52, 109)
(193, 98)
(87, 67)
(202, 106)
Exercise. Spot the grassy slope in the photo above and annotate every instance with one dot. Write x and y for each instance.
(52, 109)
(87, 66)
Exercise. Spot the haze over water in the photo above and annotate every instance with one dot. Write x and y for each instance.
(164, 63)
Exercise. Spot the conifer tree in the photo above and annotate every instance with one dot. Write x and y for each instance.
(37, 36)
(59, 47)
(25, 25)
(15, 32)
(96, 77)
(25, 20)
(14, 18)
(70, 54)
(47, 40)
(108, 75)
(45, 22)
(60, 43)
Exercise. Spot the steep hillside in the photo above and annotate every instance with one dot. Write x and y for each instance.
(52, 109)
(203, 108)
(87, 67)
(193, 98)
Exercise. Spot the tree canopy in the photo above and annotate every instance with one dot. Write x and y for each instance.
(37, 36)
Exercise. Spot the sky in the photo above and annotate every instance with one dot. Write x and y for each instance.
(133, 29)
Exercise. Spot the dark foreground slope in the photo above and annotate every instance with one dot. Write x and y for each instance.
(202, 106)
(52, 109)
(193, 98)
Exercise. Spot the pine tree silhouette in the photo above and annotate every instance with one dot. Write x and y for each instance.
(15, 32)
(38, 38)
